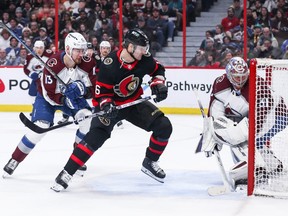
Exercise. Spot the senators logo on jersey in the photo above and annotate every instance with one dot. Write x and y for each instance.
(127, 86)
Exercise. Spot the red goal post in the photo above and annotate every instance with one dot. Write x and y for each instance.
(272, 154)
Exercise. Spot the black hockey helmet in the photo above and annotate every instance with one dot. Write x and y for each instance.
(136, 37)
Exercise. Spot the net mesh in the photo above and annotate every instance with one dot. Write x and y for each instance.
(271, 133)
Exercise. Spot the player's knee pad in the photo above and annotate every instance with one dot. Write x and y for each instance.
(162, 127)
(84, 125)
(95, 138)
(35, 137)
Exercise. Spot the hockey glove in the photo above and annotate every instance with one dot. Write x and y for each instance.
(107, 105)
(158, 88)
(34, 76)
(75, 90)
(76, 104)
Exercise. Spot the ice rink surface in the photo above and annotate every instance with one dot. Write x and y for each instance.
(114, 183)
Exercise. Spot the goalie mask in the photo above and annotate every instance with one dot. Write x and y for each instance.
(75, 41)
(237, 72)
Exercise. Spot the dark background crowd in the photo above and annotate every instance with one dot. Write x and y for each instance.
(267, 34)
(161, 20)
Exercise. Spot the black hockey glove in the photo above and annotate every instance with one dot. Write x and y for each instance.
(75, 90)
(158, 88)
(107, 105)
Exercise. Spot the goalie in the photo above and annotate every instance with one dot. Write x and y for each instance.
(227, 122)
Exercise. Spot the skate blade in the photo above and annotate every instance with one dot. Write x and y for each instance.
(147, 172)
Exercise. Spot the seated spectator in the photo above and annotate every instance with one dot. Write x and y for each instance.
(264, 18)
(5, 18)
(26, 33)
(83, 18)
(266, 33)
(158, 27)
(43, 37)
(208, 34)
(230, 21)
(87, 33)
(251, 21)
(257, 31)
(105, 28)
(114, 46)
(279, 26)
(19, 17)
(129, 13)
(225, 58)
(4, 39)
(12, 52)
(81, 7)
(15, 27)
(218, 36)
(238, 10)
(98, 22)
(34, 29)
(4, 61)
(50, 27)
(70, 5)
(270, 5)
(170, 16)
(148, 9)
(138, 4)
(267, 50)
(21, 59)
(211, 61)
(199, 59)
(283, 5)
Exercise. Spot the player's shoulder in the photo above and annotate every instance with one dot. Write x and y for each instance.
(55, 61)
(221, 82)
(48, 53)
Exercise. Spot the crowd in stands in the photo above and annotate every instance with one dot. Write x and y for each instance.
(267, 34)
(96, 20)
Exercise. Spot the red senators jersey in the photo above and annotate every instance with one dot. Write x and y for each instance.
(50, 86)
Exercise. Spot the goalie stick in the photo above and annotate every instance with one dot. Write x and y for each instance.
(28, 123)
(32, 53)
(228, 186)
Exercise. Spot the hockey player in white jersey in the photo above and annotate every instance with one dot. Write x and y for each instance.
(227, 122)
(74, 69)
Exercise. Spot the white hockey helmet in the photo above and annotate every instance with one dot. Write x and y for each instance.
(75, 40)
(105, 44)
(237, 72)
(39, 44)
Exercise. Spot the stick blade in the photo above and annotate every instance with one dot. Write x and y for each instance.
(218, 190)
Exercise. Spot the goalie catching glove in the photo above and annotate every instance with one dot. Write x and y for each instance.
(74, 90)
(108, 106)
(158, 88)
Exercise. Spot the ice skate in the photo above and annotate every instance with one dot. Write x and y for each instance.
(10, 167)
(81, 170)
(63, 120)
(152, 169)
(61, 181)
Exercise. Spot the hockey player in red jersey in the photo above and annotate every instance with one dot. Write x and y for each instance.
(119, 81)
(76, 71)
(33, 68)
(228, 121)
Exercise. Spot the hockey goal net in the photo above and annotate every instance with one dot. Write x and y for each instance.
(268, 134)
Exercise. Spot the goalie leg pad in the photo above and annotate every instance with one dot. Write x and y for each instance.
(238, 173)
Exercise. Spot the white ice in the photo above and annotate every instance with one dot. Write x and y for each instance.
(114, 184)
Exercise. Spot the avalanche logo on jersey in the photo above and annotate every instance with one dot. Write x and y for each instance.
(127, 86)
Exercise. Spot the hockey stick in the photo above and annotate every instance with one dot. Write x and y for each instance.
(227, 187)
(32, 52)
(28, 123)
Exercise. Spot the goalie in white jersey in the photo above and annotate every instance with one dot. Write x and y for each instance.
(227, 121)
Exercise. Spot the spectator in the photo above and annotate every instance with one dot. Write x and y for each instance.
(266, 33)
(6, 18)
(98, 22)
(218, 36)
(19, 17)
(285, 54)
(105, 28)
(3, 58)
(15, 27)
(279, 26)
(208, 34)
(21, 59)
(26, 33)
(107, 6)
(129, 14)
(257, 30)
(251, 21)
(138, 4)
(27, 10)
(148, 9)
(81, 7)
(283, 5)
(50, 27)
(34, 29)
(264, 18)
(70, 5)
(159, 27)
(211, 62)
(170, 16)
(4, 39)
(226, 56)
(83, 18)
(230, 21)
(257, 7)
(12, 52)
(270, 5)
(87, 33)
(237, 8)
(267, 50)
(199, 59)
(43, 37)
(113, 45)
